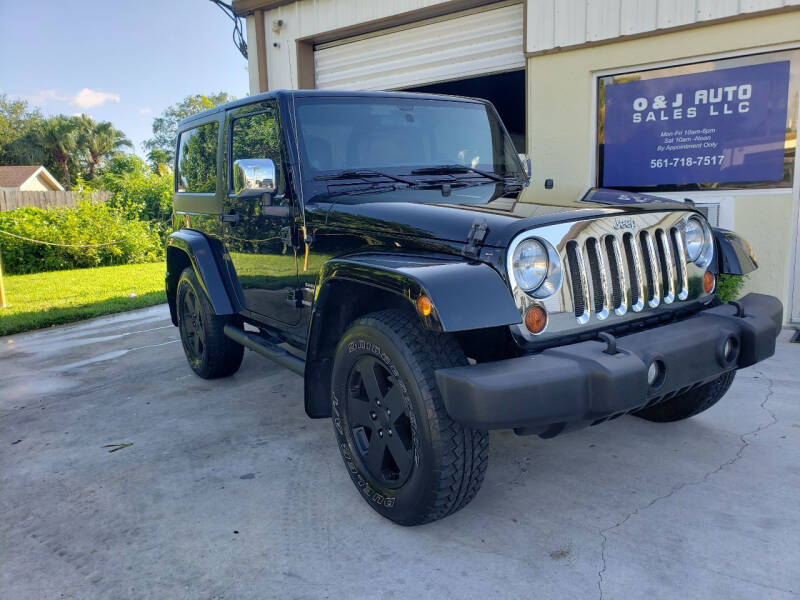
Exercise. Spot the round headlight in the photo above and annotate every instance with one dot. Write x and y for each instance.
(699, 235)
(530, 264)
(695, 238)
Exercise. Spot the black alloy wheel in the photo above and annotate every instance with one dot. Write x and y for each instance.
(193, 331)
(378, 422)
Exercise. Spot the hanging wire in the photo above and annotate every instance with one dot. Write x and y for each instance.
(33, 241)
(238, 34)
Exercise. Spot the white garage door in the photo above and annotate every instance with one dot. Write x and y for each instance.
(489, 41)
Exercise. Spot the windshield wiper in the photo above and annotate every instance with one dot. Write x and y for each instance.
(362, 174)
(454, 170)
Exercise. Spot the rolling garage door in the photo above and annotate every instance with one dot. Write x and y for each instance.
(489, 41)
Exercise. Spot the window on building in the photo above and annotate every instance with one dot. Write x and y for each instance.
(721, 124)
(197, 160)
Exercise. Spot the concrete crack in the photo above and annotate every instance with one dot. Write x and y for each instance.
(753, 582)
(679, 486)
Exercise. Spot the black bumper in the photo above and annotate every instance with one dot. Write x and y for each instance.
(581, 384)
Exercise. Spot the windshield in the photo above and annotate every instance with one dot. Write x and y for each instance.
(351, 141)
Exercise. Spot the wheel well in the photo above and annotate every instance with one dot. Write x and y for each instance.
(339, 304)
(177, 261)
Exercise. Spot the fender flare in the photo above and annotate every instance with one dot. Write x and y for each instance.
(734, 254)
(465, 295)
(211, 265)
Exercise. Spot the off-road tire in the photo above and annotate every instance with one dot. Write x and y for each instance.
(691, 403)
(216, 355)
(447, 461)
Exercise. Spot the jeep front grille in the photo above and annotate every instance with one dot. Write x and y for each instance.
(614, 269)
(626, 272)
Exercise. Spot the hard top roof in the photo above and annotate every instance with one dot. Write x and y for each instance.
(317, 93)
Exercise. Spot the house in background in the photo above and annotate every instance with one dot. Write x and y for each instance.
(28, 178)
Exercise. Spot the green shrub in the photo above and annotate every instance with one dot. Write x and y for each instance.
(88, 224)
(729, 287)
(137, 190)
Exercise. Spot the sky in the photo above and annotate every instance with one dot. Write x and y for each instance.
(122, 61)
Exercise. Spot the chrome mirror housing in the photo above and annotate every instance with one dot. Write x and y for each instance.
(526, 163)
(254, 176)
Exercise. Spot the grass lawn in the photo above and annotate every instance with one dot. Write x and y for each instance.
(56, 297)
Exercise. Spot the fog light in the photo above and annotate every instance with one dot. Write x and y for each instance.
(655, 373)
(709, 281)
(536, 319)
(730, 349)
(424, 306)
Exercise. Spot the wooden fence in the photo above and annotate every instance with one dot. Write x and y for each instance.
(10, 199)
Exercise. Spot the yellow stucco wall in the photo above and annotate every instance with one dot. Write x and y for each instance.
(561, 122)
(36, 184)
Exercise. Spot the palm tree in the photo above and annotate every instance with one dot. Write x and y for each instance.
(59, 138)
(99, 141)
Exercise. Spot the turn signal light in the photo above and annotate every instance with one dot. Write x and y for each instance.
(709, 281)
(536, 319)
(424, 306)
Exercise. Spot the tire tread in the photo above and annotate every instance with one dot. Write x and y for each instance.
(690, 403)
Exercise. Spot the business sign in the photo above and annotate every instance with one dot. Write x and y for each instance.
(722, 126)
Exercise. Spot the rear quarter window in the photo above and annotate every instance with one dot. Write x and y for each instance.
(197, 159)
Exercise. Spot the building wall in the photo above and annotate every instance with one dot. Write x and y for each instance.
(36, 184)
(561, 124)
(560, 23)
(308, 18)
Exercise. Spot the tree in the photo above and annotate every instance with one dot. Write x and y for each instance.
(15, 118)
(165, 126)
(17, 121)
(59, 139)
(158, 160)
(99, 141)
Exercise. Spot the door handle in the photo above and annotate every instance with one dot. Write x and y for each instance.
(232, 217)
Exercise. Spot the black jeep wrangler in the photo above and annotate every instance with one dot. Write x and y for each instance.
(389, 248)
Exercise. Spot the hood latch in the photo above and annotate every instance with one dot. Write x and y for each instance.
(477, 234)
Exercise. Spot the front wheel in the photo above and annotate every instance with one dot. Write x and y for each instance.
(690, 403)
(411, 462)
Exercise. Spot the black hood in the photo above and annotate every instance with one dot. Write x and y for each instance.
(388, 214)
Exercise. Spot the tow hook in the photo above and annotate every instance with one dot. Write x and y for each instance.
(739, 308)
(611, 342)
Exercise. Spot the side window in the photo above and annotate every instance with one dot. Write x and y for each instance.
(258, 136)
(197, 159)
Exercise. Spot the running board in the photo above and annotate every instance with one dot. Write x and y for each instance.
(264, 348)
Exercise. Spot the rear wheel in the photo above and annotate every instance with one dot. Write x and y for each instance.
(691, 403)
(210, 352)
(410, 461)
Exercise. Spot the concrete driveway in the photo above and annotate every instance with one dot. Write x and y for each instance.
(229, 491)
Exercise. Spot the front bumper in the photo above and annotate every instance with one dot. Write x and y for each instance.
(581, 384)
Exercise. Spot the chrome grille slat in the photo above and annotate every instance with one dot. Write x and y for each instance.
(680, 264)
(600, 287)
(619, 286)
(652, 269)
(667, 266)
(635, 271)
(580, 285)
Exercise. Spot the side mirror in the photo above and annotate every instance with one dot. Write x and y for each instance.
(254, 177)
(526, 164)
